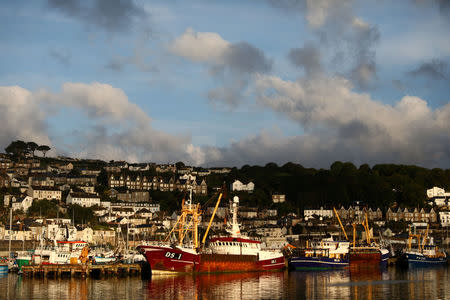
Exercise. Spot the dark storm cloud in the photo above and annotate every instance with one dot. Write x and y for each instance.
(239, 62)
(435, 69)
(245, 58)
(111, 15)
(307, 57)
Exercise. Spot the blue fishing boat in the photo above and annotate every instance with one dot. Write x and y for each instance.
(324, 254)
(426, 254)
(4, 266)
(428, 258)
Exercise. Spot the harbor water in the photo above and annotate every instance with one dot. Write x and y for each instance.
(391, 283)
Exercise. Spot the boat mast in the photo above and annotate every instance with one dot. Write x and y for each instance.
(235, 230)
(340, 223)
(10, 230)
(212, 217)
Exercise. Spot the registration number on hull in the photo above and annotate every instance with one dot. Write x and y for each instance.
(173, 255)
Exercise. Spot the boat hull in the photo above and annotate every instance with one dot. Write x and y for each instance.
(164, 260)
(418, 260)
(3, 269)
(368, 256)
(23, 262)
(304, 263)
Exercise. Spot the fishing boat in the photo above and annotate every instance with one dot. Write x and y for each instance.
(4, 266)
(324, 254)
(233, 253)
(23, 259)
(61, 252)
(425, 254)
(367, 253)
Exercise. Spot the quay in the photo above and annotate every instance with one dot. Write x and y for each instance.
(81, 270)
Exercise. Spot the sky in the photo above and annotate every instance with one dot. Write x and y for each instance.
(229, 83)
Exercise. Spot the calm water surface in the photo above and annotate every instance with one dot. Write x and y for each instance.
(391, 283)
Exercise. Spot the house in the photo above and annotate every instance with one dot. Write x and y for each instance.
(21, 203)
(134, 196)
(90, 172)
(139, 167)
(4, 180)
(87, 188)
(144, 213)
(166, 168)
(5, 163)
(239, 186)
(438, 196)
(83, 199)
(41, 181)
(248, 212)
(444, 218)
(324, 213)
(278, 198)
(40, 193)
(220, 170)
(423, 216)
(82, 180)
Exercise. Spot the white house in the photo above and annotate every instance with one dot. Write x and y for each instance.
(83, 199)
(324, 213)
(444, 218)
(40, 193)
(239, 186)
(278, 198)
(22, 203)
(438, 196)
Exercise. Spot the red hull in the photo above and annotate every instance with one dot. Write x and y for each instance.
(168, 259)
(365, 257)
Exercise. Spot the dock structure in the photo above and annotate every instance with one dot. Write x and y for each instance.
(81, 270)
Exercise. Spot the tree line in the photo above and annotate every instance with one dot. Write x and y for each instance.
(20, 148)
(383, 185)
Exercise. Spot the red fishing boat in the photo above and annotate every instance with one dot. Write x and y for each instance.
(368, 254)
(233, 253)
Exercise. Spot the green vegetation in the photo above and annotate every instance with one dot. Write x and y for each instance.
(45, 208)
(20, 148)
(380, 186)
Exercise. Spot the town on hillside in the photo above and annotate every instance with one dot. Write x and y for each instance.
(102, 203)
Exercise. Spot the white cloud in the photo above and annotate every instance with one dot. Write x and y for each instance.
(327, 108)
(199, 46)
(21, 117)
(113, 128)
(230, 64)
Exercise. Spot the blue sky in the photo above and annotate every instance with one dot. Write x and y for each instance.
(229, 82)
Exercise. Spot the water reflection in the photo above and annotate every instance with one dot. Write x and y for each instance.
(373, 283)
(218, 286)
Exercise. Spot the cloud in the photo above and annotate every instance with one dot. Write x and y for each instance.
(112, 127)
(22, 117)
(139, 59)
(442, 5)
(435, 69)
(110, 15)
(232, 65)
(307, 57)
(340, 33)
(199, 46)
(340, 124)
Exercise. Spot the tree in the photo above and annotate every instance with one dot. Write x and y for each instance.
(180, 165)
(17, 148)
(43, 149)
(32, 146)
